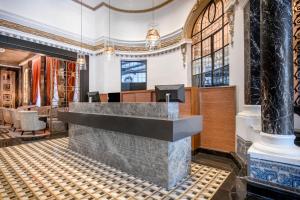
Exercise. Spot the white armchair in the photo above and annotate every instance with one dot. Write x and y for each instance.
(1, 116)
(7, 116)
(30, 122)
(15, 119)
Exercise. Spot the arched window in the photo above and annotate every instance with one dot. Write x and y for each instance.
(210, 47)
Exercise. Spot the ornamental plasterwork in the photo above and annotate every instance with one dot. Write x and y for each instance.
(166, 42)
(229, 10)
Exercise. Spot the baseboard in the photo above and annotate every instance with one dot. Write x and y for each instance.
(231, 155)
(270, 191)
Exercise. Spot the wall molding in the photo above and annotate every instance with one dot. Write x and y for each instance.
(16, 26)
(104, 4)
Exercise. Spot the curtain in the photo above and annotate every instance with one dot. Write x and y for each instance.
(51, 63)
(71, 79)
(36, 70)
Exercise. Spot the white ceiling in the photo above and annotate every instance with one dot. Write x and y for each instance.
(125, 4)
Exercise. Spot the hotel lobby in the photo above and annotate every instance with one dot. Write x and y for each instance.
(150, 99)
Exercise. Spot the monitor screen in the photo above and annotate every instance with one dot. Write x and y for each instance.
(95, 96)
(176, 93)
(114, 97)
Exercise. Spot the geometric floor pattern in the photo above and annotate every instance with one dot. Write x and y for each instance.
(49, 170)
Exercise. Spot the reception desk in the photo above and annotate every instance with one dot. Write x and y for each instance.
(148, 140)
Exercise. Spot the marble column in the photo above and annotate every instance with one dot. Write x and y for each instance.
(249, 119)
(273, 158)
(277, 67)
(252, 52)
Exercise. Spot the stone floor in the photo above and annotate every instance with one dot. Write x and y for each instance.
(49, 170)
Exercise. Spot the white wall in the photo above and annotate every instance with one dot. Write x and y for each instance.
(105, 75)
(236, 69)
(58, 15)
(133, 26)
(63, 16)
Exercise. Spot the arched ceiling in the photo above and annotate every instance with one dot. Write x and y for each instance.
(128, 6)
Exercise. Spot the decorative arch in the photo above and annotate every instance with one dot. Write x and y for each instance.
(208, 27)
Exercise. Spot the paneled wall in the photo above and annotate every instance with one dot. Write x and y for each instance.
(217, 105)
(7, 88)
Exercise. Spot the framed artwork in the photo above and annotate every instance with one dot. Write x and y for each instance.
(6, 97)
(6, 87)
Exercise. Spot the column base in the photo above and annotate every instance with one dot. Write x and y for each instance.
(247, 129)
(275, 160)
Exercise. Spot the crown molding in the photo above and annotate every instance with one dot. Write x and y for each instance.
(104, 4)
(58, 37)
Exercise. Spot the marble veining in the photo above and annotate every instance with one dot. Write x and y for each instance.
(161, 162)
(252, 52)
(277, 67)
(162, 110)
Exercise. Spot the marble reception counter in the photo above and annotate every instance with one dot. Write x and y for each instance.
(148, 140)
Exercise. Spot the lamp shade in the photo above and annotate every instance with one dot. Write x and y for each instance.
(81, 62)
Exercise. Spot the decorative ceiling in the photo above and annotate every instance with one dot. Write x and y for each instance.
(14, 57)
(128, 6)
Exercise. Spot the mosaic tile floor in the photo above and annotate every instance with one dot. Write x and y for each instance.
(48, 170)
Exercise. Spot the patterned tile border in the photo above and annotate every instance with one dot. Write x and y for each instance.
(279, 174)
(49, 170)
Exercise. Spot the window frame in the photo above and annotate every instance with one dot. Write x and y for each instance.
(197, 78)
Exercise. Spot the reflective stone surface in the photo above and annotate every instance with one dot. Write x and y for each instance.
(277, 67)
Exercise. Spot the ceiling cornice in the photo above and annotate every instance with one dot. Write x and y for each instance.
(123, 10)
(122, 46)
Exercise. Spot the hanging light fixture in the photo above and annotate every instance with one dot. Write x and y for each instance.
(153, 36)
(81, 62)
(109, 49)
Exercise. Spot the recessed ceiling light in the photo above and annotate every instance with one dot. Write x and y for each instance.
(2, 50)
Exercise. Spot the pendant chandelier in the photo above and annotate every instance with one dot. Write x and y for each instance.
(109, 49)
(153, 36)
(81, 62)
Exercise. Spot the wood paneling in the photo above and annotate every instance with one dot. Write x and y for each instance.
(104, 97)
(143, 97)
(128, 97)
(218, 107)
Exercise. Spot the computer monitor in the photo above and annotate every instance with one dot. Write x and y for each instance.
(95, 96)
(114, 97)
(176, 93)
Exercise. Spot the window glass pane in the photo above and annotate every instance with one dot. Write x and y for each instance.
(218, 60)
(206, 71)
(212, 12)
(196, 80)
(197, 67)
(197, 51)
(218, 40)
(212, 28)
(133, 74)
(219, 9)
(196, 38)
(210, 46)
(205, 21)
(226, 55)
(226, 75)
(206, 46)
